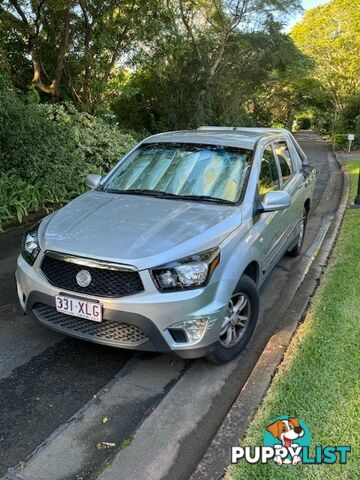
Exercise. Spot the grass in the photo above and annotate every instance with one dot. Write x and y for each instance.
(353, 167)
(318, 380)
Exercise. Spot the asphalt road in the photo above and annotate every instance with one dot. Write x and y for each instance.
(46, 378)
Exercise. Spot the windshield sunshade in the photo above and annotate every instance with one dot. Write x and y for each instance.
(183, 170)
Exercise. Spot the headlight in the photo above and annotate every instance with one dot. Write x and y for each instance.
(187, 273)
(30, 247)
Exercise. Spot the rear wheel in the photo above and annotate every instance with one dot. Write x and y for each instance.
(239, 322)
(300, 238)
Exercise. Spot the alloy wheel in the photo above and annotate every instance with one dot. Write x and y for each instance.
(236, 320)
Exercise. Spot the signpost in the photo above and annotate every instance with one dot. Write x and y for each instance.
(351, 138)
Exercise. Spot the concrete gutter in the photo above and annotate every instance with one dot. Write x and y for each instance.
(233, 428)
(66, 453)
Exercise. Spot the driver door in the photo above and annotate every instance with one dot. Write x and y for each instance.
(268, 224)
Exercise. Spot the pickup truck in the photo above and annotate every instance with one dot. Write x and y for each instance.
(167, 252)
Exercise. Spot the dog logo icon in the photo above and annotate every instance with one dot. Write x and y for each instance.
(287, 434)
(287, 442)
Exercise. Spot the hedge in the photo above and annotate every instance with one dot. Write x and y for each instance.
(340, 141)
(47, 150)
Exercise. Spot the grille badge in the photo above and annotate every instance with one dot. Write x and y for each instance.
(83, 278)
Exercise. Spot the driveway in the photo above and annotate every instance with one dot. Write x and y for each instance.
(47, 379)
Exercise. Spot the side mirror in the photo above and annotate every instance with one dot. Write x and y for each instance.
(274, 201)
(93, 180)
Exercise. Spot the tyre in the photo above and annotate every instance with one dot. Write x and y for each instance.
(294, 252)
(239, 322)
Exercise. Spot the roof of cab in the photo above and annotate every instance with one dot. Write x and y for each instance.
(241, 138)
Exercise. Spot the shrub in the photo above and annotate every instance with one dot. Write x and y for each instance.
(339, 141)
(347, 122)
(17, 197)
(47, 150)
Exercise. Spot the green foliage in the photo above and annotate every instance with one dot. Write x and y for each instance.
(287, 89)
(47, 150)
(17, 198)
(339, 141)
(91, 141)
(261, 81)
(67, 49)
(5, 80)
(329, 34)
(193, 61)
(27, 139)
(348, 121)
(147, 66)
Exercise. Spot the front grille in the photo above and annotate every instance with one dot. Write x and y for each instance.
(104, 282)
(107, 331)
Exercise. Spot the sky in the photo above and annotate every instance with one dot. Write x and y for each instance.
(306, 5)
(312, 3)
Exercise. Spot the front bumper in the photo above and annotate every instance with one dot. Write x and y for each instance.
(149, 312)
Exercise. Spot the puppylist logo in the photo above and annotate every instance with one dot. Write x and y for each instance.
(287, 442)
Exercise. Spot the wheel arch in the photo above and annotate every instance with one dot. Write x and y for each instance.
(253, 271)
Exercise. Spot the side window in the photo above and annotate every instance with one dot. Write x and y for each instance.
(269, 176)
(284, 158)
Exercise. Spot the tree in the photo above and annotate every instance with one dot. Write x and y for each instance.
(204, 65)
(289, 88)
(23, 21)
(157, 63)
(330, 36)
(73, 45)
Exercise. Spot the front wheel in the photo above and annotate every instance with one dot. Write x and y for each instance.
(239, 322)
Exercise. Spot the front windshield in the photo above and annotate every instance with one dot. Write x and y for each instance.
(183, 170)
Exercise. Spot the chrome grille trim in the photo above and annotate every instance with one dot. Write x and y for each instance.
(89, 262)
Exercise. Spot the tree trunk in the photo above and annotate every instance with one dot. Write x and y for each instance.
(86, 95)
(64, 42)
(36, 81)
(290, 120)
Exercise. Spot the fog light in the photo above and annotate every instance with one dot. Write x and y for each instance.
(194, 329)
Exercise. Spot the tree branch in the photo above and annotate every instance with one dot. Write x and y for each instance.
(189, 30)
(237, 18)
(19, 11)
(115, 54)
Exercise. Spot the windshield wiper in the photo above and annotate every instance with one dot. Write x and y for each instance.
(160, 194)
(140, 191)
(205, 198)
